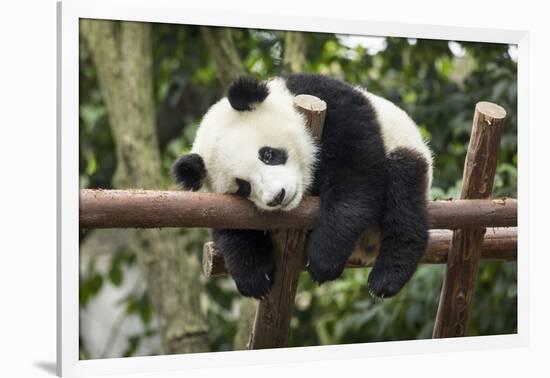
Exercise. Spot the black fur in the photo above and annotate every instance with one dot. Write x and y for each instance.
(404, 223)
(189, 171)
(248, 258)
(246, 92)
(273, 156)
(350, 178)
(244, 188)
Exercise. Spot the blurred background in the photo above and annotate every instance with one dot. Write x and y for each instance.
(143, 90)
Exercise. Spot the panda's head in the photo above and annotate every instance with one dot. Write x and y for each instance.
(252, 143)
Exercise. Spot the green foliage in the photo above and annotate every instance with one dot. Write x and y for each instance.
(344, 312)
(135, 303)
(90, 284)
(221, 315)
(496, 294)
(437, 88)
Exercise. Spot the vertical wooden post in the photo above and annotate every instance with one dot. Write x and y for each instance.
(465, 251)
(272, 323)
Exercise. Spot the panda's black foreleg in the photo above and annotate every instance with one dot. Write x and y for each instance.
(248, 256)
(404, 223)
(344, 214)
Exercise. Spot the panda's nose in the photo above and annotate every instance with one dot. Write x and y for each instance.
(278, 199)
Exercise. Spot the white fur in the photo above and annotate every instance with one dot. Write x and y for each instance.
(229, 141)
(399, 130)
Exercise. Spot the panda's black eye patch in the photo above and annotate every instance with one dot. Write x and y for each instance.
(244, 188)
(272, 156)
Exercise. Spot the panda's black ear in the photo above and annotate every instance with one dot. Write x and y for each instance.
(246, 92)
(189, 171)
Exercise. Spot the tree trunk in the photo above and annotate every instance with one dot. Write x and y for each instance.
(295, 52)
(224, 54)
(121, 52)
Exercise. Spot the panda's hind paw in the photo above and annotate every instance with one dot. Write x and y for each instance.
(255, 284)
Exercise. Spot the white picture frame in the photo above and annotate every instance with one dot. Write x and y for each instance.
(69, 13)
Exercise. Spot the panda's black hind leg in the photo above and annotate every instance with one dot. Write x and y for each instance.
(404, 224)
(248, 256)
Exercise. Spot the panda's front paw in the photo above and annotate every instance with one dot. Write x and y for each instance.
(255, 283)
(386, 280)
(323, 262)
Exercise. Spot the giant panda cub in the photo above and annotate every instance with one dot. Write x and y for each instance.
(371, 167)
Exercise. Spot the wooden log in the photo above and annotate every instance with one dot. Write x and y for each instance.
(153, 209)
(465, 252)
(272, 322)
(499, 244)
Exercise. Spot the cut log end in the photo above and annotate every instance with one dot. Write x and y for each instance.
(310, 103)
(491, 110)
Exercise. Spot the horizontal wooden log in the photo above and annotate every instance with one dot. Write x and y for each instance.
(153, 209)
(499, 244)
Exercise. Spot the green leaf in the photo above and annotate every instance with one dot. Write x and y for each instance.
(145, 309)
(95, 284)
(115, 275)
(132, 305)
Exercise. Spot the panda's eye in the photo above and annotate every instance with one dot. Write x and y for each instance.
(267, 154)
(244, 188)
(272, 156)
